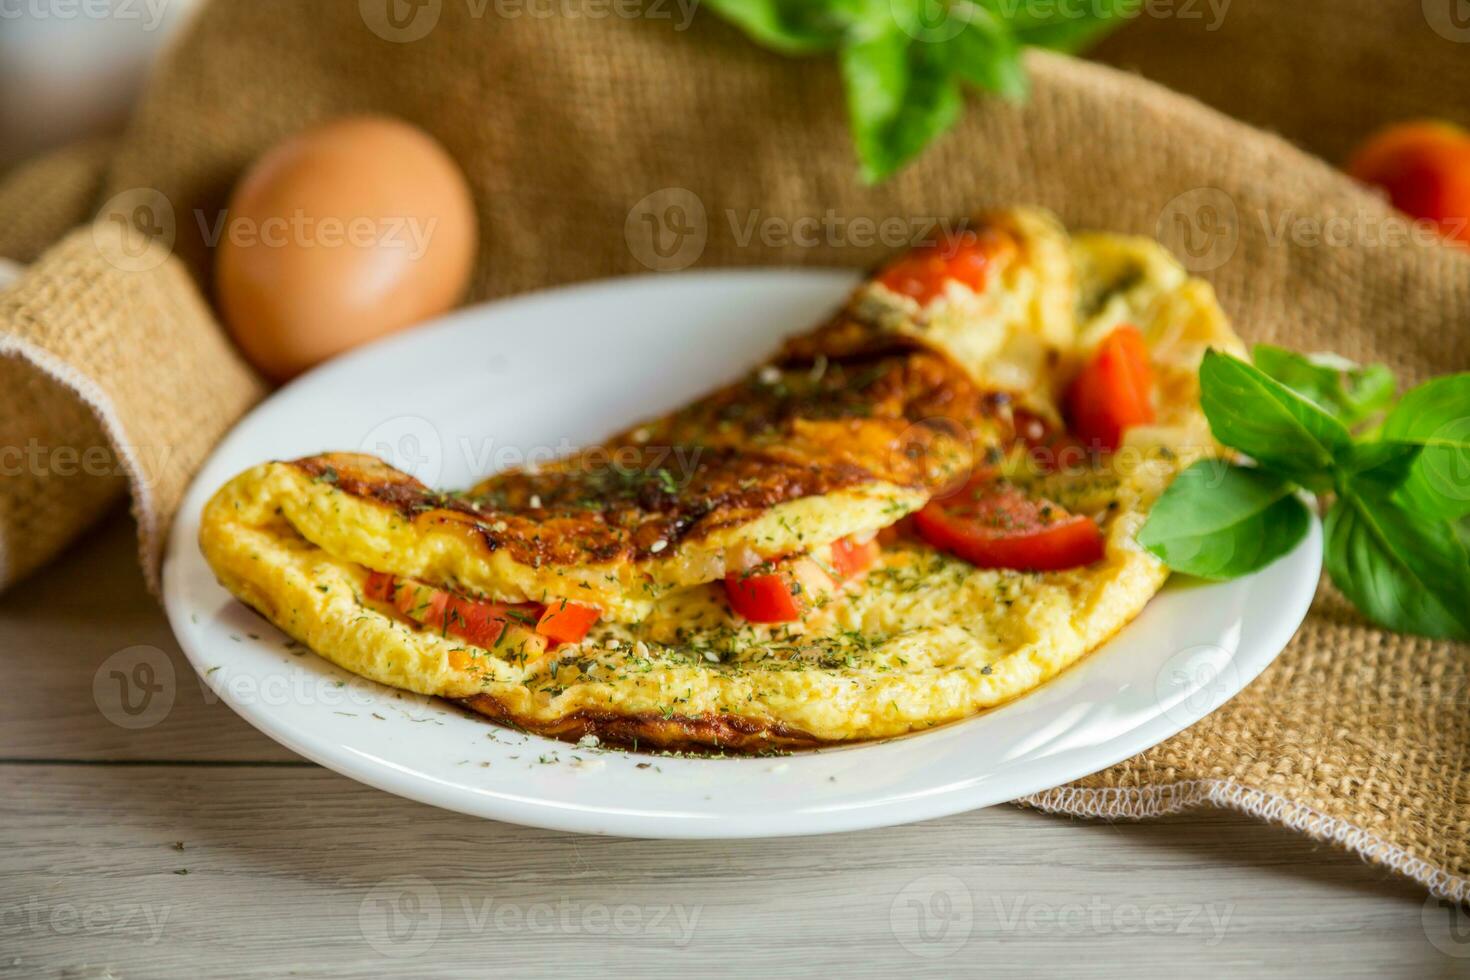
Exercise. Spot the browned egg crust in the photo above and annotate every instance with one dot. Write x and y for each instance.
(649, 730)
(909, 418)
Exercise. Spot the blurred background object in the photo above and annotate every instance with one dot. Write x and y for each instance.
(1322, 74)
(339, 235)
(72, 68)
(1424, 167)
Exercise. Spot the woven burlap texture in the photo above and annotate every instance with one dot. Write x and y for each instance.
(605, 145)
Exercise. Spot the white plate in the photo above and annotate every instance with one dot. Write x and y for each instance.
(482, 388)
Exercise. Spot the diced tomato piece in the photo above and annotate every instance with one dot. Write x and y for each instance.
(1113, 391)
(781, 595)
(482, 622)
(477, 621)
(768, 597)
(379, 587)
(925, 269)
(994, 525)
(420, 603)
(792, 586)
(566, 622)
(850, 558)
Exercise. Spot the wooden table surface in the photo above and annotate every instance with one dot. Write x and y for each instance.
(196, 847)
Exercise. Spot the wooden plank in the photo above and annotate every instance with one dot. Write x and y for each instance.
(58, 631)
(297, 870)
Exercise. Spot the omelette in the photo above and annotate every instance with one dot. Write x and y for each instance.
(918, 510)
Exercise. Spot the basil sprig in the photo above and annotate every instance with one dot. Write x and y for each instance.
(904, 63)
(1397, 492)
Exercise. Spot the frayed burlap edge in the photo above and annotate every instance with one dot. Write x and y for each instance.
(1141, 803)
(16, 560)
(113, 357)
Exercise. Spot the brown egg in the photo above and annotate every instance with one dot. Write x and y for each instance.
(338, 236)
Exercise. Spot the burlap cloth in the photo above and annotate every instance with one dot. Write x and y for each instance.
(567, 124)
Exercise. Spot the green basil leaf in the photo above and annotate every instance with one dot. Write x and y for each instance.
(1221, 521)
(1404, 571)
(1062, 26)
(900, 95)
(1435, 416)
(1266, 420)
(792, 26)
(1389, 463)
(986, 54)
(1350, 392)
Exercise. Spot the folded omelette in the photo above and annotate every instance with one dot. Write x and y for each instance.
(922, 508)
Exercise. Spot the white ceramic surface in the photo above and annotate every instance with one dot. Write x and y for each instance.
(490, 386)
